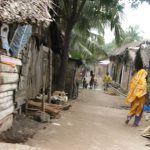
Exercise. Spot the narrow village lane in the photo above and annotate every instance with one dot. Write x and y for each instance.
(95, 122)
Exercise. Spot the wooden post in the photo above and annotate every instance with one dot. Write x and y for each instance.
(50, 74)
(149, 65)
(130, 66)
(44, 84)
(50, 67)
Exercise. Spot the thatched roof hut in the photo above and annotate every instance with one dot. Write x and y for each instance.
(129, 51)
(121, 50)
(26, 11)
(128, 59)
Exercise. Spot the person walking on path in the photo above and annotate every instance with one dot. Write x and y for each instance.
(137, 96)
(92, 81)
(106, 81)
(84, 83)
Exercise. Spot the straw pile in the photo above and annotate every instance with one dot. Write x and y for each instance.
(26, 11)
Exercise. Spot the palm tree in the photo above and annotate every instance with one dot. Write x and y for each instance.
(86, 14)
(132, 34)
(89, 44)
(136, 3)
(88, 48)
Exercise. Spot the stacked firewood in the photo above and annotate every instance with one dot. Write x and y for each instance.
(52, 109)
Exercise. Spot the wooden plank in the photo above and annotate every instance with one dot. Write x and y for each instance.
(8, 68)
(61, 107)
(8, 87)
(6, 99)
(6, 112)
(10, 60)
(48, 109)
(8, 78)
(6, 105)
(55, 105)
(5, 94)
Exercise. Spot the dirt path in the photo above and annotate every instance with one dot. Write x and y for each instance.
(95, 122)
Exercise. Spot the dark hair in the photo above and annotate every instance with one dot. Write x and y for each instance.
(138, 61)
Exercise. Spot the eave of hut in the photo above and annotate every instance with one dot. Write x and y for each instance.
(78, 61)
(145, 55)
(26, 12)
(121, 50)
(128, 51)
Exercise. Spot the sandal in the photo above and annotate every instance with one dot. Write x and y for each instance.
(128, 119)
(135, 125)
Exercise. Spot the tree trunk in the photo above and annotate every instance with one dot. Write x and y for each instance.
(64, 57)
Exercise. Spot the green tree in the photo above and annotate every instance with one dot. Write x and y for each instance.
(88, 48)
(68, 12)
(132, 34)
(91, 13)
(136, 3)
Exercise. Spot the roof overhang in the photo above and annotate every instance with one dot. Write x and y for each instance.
(26, 12)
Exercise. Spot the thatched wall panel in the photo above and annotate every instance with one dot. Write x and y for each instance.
(34, 78)
(31, 79)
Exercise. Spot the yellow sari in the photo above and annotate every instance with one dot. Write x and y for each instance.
(137, 93)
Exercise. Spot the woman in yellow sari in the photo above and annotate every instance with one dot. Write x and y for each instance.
(137, 96)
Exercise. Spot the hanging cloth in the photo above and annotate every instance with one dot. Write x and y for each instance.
(20, 38)
(4, 36)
